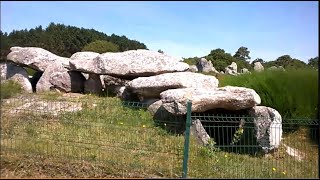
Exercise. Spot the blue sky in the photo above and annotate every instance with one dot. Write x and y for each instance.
(185, 29)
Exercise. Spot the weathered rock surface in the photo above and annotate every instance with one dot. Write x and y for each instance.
(229, 97)
(258, 67)
(59, 78)
(114, 85)
(84, 55)
(199, 132)
(151, 87)
(193, 68)
(268, 127)
(273, 68)
(47, 107)
(205, 66)
(232, 69)
(174, 123)
(35, 58)
(133, 63)
(245, 70)
(280, 68)
(10, 71)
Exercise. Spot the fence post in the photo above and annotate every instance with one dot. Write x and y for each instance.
(186, 141)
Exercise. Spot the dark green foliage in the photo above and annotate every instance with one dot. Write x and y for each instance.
(287, 62)
(62, 40)
(313, 62)
(258, 60)
(242, 54)
(9, 89)
(191, 61)
(160, 51)
(100, 46)
(220, 60)
(294, 93)
(30, 71)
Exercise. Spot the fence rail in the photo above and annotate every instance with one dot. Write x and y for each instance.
(125, 137)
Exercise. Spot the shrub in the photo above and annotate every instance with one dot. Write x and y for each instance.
(101, 47)
(9, 89)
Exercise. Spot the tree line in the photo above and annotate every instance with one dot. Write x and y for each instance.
(65, 40)
(221, 59)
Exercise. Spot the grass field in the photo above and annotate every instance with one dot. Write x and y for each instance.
(108, 139)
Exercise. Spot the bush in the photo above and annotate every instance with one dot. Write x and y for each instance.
(294, 93)
(9, 89)
(101, 47)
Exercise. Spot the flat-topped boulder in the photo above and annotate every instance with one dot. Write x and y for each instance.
(35, 58)
(151, 87)
(86, 55)
(228, 97)
(133, 63)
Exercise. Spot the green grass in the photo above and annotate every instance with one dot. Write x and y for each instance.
(9, 89)
(293, 93)
(30, 71)
(107, 139)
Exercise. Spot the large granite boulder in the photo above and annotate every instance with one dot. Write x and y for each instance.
(258, 67)
(280, 68)
(268, 127)
(193, 68)
(232, 69)
(84, 55)
(130, 64)
(205, 66)
(151, 87)
(10, 71)
(114, 85)
(35, 58)
(57, 77)
(229, 98)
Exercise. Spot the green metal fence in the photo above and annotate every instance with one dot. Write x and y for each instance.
(125, 139)
(233, 151)
(122, 136)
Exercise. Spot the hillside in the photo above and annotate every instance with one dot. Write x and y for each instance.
(63, 40)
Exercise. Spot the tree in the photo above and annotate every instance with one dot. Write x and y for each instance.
(258, 60)
(62, 40)
(313, 62)
(220, 60)
(287, 62)
(160, 51)
(101, 47)
(242, 54)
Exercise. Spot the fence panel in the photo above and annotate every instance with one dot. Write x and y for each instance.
(121, 136)
(233, 150)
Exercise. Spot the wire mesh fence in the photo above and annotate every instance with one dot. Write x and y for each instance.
(121, 135)
(235, 148)
(125, 138)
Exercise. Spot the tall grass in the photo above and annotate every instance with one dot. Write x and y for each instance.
(294, 93)
(9, 88)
